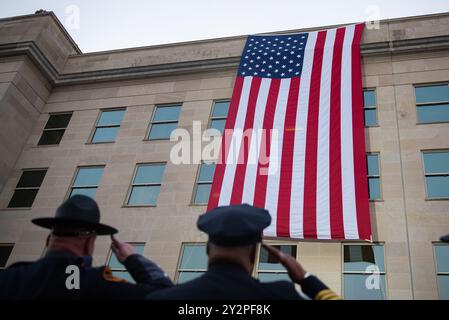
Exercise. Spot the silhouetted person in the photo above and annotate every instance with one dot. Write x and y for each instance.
(234, 232)
(70, 246)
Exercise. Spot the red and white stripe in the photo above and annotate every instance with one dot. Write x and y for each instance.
(304, 160)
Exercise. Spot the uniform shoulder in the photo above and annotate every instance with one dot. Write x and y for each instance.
(20, 264)
(282, 289)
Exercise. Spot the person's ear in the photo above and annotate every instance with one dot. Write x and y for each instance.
(253, 254)
(47, 241)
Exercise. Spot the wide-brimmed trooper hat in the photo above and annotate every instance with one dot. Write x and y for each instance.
(79, 212)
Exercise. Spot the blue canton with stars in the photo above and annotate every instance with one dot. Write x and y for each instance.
(273, 56)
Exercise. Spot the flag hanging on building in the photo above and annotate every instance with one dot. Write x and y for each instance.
(294, 138)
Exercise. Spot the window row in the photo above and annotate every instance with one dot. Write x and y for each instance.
(360, 264)
(432, 104)
(163, 121)
(147, 180)
(364, 271)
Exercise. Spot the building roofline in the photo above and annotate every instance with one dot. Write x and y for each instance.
(238, 37)
(55, 19)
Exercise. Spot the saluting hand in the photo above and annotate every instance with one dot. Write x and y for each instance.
(121, 249)
(295, 270)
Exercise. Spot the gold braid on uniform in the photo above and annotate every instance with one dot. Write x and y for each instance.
(108, 276)
(327, 294)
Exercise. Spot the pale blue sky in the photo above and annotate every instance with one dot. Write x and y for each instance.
(113, 24)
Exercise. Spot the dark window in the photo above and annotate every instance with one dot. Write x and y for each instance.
(219, 114)
(269, 268)
(27, 188)
(436, 170)
(364, 272)
(5, 252)
(193, 262)
(54, 129)
(432, 103)
(146, 184)
(86, 181)
(118, 269)
(370, 109)
(442, 266)
(204, 183)
(165, 120)
(373, 176)
(108, 125)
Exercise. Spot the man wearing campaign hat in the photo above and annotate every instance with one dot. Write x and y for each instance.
(234, 232)
(66, 272)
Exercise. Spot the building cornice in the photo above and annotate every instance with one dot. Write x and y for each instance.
(56, 78)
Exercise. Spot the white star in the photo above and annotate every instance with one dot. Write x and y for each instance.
(290, 70)
(257, 42)
(298, 64)
(264, 62)
(263, 70)
(246, 57)
(269, 74)
(243, 73)
(282, 74)
(252, 39)
(271, 58)
(278, 54)
(265, 54)
(277, 62)
(284, 57)
(263, 39)
(250, 68)
(257, 66)
(255, 73)
(276, 70)
(295, 41)
(245, 64)
(253, 54)
(289, 38)
(292, 52)
(250, 45)
(258, 58)
(251, 61)
(288, 44)
(283, 66)
(270, 66)
(296, 73)
(291, 61)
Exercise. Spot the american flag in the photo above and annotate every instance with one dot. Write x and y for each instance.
(294, 138)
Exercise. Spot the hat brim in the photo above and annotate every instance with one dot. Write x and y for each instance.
(50, 223)
(445, 238)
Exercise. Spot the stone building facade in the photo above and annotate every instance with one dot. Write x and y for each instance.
(43, 73)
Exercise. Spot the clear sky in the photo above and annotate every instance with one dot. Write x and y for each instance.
(98, 25)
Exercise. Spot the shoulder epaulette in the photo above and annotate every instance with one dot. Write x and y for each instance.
(108, 276)
(327, 294)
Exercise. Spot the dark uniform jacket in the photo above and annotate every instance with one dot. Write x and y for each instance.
(228, 281)
(46, 279)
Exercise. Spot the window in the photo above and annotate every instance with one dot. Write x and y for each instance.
(203, 183)
(27, 188)
(432, 103)
(269, 268)
(219, 114)
(118, 269)
(372, 161)
(193, 262)
(165, 120)
(369, 107)
(5, 252)
(362, 265)
(436, 170)
(108, 125)
(54, 129)
(442, 266)
(86, 181)
(146, 184)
